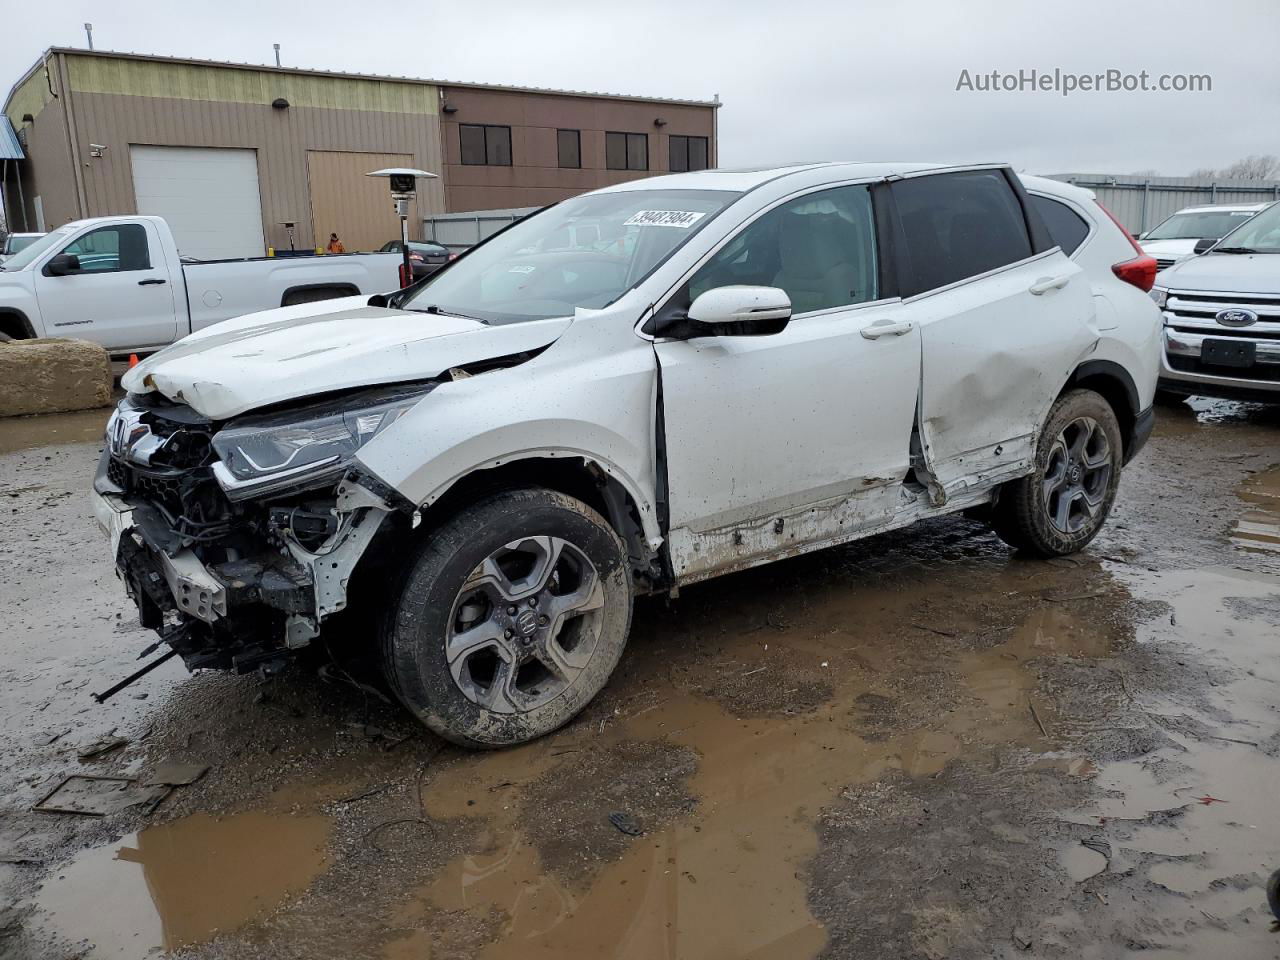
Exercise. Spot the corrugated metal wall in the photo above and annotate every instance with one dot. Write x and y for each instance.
(1142, 202)
(372, 117)
(358, 208)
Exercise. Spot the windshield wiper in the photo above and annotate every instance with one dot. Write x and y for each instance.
(438, 312)
(1234, 250)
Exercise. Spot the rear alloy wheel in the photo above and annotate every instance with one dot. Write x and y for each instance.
(1060, 507)
(512, 618)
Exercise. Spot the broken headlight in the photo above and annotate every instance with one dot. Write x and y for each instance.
(306, 445)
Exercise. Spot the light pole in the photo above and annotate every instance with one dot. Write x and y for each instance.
(403, 182)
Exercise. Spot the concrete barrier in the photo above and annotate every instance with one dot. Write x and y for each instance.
(52, 376)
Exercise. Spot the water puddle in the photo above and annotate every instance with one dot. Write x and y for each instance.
(728, 879)
(24, 433)
(181, 882)
(1258, 529)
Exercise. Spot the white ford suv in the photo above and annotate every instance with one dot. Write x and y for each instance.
(722, 369)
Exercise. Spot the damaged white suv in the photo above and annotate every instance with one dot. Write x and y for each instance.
(628, 392)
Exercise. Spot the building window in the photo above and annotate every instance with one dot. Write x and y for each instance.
(569, 147)
(626, 151)
(688, 153)
(484, 145)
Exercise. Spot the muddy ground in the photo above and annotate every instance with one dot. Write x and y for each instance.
(915, 746)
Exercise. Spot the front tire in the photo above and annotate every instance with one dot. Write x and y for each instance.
(1065, 501)
(511, 619)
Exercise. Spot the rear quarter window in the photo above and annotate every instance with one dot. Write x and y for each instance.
(958, 225)
(1067, 228)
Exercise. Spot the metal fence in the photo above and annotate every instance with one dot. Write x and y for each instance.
(458, 231)
(1142, 202)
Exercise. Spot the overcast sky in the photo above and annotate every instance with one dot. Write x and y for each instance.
(799, 80)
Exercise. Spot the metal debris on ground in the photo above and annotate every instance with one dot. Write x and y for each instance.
(93, 796)
(625, 823)
(174, 773)
(101, 747)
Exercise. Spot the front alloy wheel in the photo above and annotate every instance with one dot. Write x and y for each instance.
(512, 617)
(525, 624)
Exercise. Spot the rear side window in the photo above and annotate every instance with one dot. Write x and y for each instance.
(1066, 227)
(958, 225)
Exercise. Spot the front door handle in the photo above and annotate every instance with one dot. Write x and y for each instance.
(1045, 284)
(886, 328)
(152, 282)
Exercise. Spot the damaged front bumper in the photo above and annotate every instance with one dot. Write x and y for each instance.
(246, 601)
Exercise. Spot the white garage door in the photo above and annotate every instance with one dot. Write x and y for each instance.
(208, 196)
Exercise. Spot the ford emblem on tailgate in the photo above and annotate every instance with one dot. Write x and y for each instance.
(1236, 317)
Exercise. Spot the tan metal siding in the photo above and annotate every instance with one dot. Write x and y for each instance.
(356, 207)
(281, 137)
(188, 81)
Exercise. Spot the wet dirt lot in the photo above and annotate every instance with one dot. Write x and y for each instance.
(915, 746)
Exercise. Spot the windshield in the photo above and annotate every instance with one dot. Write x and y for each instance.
(21, 260)
(21, 243)
(1259, 235)
(585, 252)
(1210, 225)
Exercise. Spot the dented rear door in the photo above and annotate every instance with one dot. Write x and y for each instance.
(995, 358)
(997, 346)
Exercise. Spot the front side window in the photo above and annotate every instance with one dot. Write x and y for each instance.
(958, 225)
(585, 252)
(819, 248)
(117, 248)
(569, 148)
(688, 153)
(484, 145)
(626, 151)
(1066, 227)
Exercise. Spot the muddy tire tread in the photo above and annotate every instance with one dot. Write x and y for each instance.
(1018, 517)
(412, 608)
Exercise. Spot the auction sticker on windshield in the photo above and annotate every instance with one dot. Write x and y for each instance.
(684, 219)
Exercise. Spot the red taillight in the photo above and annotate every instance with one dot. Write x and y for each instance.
(1141, 270)
(453, 256)
(416, 256)
(406, 276)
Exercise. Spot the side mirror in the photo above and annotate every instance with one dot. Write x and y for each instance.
(1204, 246)
(740, 311)
(62, 265)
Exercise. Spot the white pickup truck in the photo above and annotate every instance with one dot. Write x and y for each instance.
(121, 282)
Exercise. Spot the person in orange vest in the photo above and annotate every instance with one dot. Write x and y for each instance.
(335, 245)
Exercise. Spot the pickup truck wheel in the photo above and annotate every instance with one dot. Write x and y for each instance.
(511, 618)
(1063, 504)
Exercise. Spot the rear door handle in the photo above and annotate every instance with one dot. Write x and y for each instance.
(1045, 284)
(154, 281)
(885, 328)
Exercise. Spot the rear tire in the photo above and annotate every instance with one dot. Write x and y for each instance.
(511, 618)
(1064, 502)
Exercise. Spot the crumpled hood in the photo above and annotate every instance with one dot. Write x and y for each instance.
(293, 352)
(1226, 272)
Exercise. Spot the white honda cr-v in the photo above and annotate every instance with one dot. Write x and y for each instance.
(628, 392)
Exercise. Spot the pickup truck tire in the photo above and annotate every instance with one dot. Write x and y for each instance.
(1065, 501)
(512, 615)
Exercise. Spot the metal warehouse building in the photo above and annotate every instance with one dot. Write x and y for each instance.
(230, 154)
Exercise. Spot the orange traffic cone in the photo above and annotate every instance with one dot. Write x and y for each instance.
(133, 360)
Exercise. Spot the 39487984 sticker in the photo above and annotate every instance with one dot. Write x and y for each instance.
(684, 219)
